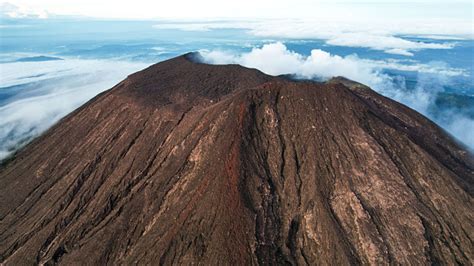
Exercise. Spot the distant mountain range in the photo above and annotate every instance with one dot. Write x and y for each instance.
(40, 58)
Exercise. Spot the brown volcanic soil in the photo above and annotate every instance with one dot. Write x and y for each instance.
(190, 163)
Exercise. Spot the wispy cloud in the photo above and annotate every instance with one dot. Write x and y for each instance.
(60, 87)
(378, 35)
(382, 42)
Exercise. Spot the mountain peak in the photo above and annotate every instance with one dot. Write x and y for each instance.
(184, 78)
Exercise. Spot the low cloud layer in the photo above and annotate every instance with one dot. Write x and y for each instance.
(276, 59)
(54, 89)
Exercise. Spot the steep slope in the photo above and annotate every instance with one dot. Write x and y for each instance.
(191, 163)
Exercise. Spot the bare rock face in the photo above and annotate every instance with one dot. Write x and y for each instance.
(188, 163)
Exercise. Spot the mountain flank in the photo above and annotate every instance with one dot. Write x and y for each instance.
(189, 163)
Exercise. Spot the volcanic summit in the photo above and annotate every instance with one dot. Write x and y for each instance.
(190, 163)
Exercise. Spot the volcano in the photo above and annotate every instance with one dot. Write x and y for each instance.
(190, 163)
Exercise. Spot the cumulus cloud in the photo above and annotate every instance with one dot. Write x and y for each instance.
(276, 59)
(59, 87)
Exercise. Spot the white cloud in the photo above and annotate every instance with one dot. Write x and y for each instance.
(276, 59)
(441, 37)
(377, 35)
(399, 51)
(461, 127)
(413, 66)
(382, 42)
(340, 29)
(13, 11)
(388, 43)
(60, 87)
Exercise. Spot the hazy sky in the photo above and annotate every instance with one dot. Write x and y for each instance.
(324, 9)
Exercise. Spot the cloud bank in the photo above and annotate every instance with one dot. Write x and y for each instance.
(44, 92)
(383, 35)
(276, 59)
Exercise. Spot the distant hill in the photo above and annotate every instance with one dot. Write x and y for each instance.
(38, 59)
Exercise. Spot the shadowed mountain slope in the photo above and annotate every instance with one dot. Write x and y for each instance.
(191, 163)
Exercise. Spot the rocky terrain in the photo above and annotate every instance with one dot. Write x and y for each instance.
(188, 163)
